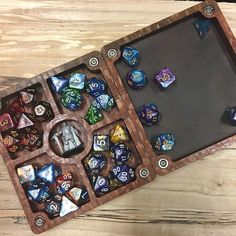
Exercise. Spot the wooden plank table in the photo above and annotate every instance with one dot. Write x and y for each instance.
(197, 200)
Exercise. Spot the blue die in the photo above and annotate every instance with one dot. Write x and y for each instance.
(164, 142)
(123, 173)
(130, 56)
(95, 163)
(120, 153)
(100, 184)
(77, 81)
(136, 79)
(95, 87)
(59, 84)
(104, 102)
(149, 114)
(202, 27)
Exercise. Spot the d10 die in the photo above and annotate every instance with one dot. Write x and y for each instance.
(26, 174)
(101, 143)
(49, 172)
(104, 102)
(71, 99)
(53, 206)
(95, 87)
(149, 114)
(164, 142)
(100, 184)
(38, 191)
(6, 122)
(79, 195)
(64, 183)
(43, 111)
(93, 115)
(77, 81)
(120, 153)
(119, 134)
(165, 78)
(136, 79)
(95, 163)
(59, 84)
(123, 173)
(130, 56)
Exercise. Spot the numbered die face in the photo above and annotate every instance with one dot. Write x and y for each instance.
(26, 174)
(101, 143)
(119, 134)
(165, 78)
(149, 114)
(93, 115)
(131, 56)
(59, 84)
(95, 163)
(123, 173)
(136, 79)
(71, 99)
(12, 140)
(120, 153)
(53, 206)
(164, 142)
(64, 183)
(6, 122)
(95, 87)
(104, 102)
(28, 95)
(43, 111)
(79, 195)
(77, 81)
(100, 184)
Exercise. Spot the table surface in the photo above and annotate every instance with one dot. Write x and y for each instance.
(199, 199)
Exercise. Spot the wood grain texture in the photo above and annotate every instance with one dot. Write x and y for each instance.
(199, 199)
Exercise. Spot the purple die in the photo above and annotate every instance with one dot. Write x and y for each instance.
(149, 114)
(165, 77)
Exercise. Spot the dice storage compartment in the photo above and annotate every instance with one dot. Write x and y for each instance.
(192, 108)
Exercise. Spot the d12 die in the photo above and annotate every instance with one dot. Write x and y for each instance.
(49, 172)
(71, 99)
(136, 79)
(64, 183)
(77, 81)
(100, 184)
(101, 143)
(95, 163)
(120, 153)
(79, 195)
(119, 134)
(149, 114)
(123, 173)
(130, 56)
(6, 122)
(165, 78)
(104, 102)
(59, 84)
(32, 139)
(93, 115)
(53, 206)
(164, 142)
(43, 111)
(38, 191)
(26, 174)
(12, 140)
(95, 87)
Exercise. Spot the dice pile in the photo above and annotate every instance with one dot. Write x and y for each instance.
(71, 90)
(115, 147)
(18, 126)
(56, 190)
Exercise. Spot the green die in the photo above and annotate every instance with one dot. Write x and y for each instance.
(93, 115)
(71, 99)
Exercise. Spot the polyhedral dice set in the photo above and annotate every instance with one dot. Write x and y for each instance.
(100, 126)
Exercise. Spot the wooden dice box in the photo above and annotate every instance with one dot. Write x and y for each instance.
(189, 107)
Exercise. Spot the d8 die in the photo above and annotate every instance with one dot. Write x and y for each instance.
(130, 56)
(120, 153)
(43, 111)
(123, 173)
(79, 195)
(101, 143)
(95, 163)
(95, 87)
(53, 206)
(64, 183)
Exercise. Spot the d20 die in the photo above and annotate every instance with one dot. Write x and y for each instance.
(43, 111)
(58, 84)
(130, 56)
(67, 206)
(26, 174)
(95, 87)
(79, 195)
(53, 206)
(119, 134)
(6, 122)
(32, 139)
(71, 99)
(149, 114)
(136, 79)
(104, 102)
(100, 184)
(164, 142)
(38, 191)
(101, 143)
(64, 183)
(120, 153)
(123, 173)
(165, 78)
(95, 163)
(49, 173)
(77, 81)
(93, 115)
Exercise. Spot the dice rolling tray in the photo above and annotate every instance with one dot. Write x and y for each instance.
(192, 108)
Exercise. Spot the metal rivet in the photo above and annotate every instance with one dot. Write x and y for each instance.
(209, 10)
(144, 173)
(39, 221)
(93, 61)
(112, 53)
(163, 163)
